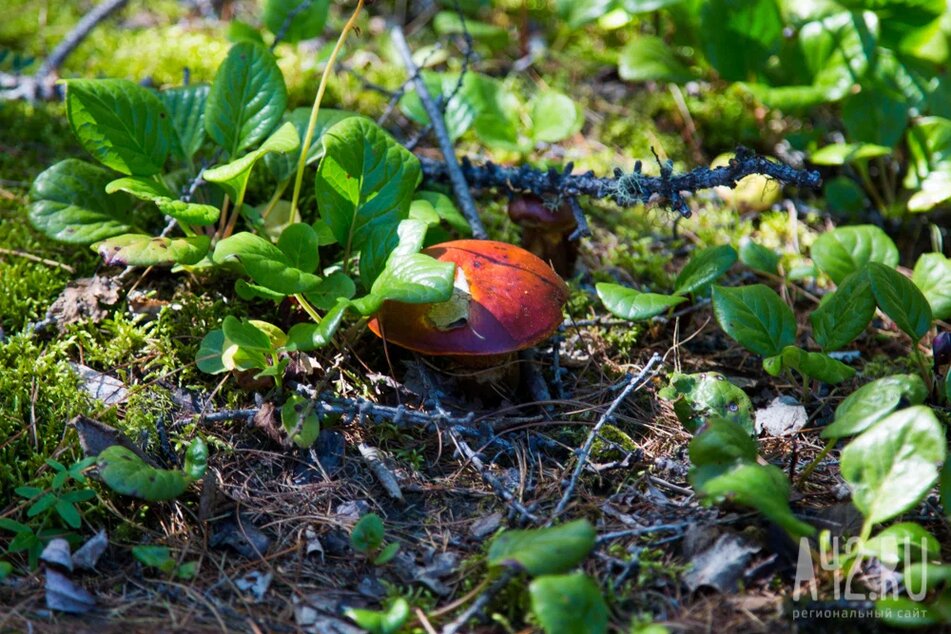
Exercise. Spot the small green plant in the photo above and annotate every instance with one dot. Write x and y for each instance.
(160, 557)
(367, 538)
(125, 472)
(387, 621)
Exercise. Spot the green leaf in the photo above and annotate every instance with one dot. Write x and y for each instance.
(365, 184)
(247, 98)
(136, 249)
(892, 544)
(845, 314)
(367, 534)
(45, 503)
(123, 125)
(875, 116)
(894, 463)
(722, 443)
(300, 420)
(704, 396)
(233, 176)
(543, 551)
(755, 317)
(569, 604)
(628, 303)
(247, 291)
(874, 401)
(70, 204)
(149, 189)
(284, 166)
(845, 250)
(763, 487)
(445, 209)
(900, 299)
(5, 569)
(301, 24)
(186, 107)
(69, 513)
(332, 288)
(816, 365)
(196, 459)
(245, 334)
(929, 143)
(759, 258)
(704, 267)
(154, 557)
(126, 473)
(478, 94)
(386, 555)
(740, 36)
(932, 276)
(265, 263)
(208, 358)
(390, 621)
(449, 23)
(299, 243)
(844, 153)
(554, 117)
(308, 336)
(649, 58)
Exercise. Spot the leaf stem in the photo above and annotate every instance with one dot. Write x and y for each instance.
(312, 123)
(815, 462)
(308, 307)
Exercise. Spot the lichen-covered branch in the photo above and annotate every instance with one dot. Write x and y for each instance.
(626, 190)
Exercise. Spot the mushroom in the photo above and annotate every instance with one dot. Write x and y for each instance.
(504, 299)
(545, 231)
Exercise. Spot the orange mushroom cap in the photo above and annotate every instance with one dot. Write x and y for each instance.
(505, 299)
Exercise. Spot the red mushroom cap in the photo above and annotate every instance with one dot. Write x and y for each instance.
(528, 210)
(506, 299)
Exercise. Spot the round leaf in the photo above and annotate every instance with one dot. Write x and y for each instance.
(932, 276)
(893, 464)
(208, 358)
(554, 117)
(300, 420)
(265, 263)
(284, 17)
(367, 534)
(543, 551)
(846, 249)
(569, 604)
(299, 244)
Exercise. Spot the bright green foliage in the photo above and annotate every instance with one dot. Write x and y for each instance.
(628, 303)
(699, 398)
(845, 314)
(755, 317)
(543, 551)
(389, 621)
(704, 268)
(126, 473)
(900, 299)
(300, 421)
(569, 604)
(846, 249)
(872, 402)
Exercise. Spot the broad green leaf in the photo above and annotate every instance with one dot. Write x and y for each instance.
(247, 98)
(364, 186)
(233, 176)
(69, 203)
(126, 473)
(245, 334)
(389, 621)
(569, 604)
(875, 116)
(186, 107)
(477, 94)
(628, 303)
(138, 249)
(196, 459)
(894, 463)
(843, 153)
(413, 279)
(929, 143)
(154, 557)
(900, 299)
(239, 31)
(722, 443)
(333, 287)
(309, 336)
(759, 258)
(845, 314)
(445, 209)
(704, 267)
(367, 533)
(816, 365)
(932, 276)
(265, 263)
(285, 17)
(874, 401)
(902, 543)
(763, 487)
(704, 396)
(123, 125)
(740, 36)
(846, 249)
(300, 420)
(299, 244)
(649, 58)
(148, 189)
(5, 569)
(386, 554)
(543, 551)
(274, 334)
(555, 116)
(208, 358)
(755, 317)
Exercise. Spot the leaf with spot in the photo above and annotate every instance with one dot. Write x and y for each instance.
(874, 401)
(137, 249)
(69, 203)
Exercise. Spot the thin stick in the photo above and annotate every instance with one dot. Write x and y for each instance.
(459, 185)
(632, 383)
(35, 258)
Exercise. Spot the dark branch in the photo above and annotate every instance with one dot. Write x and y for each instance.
(626, 190)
